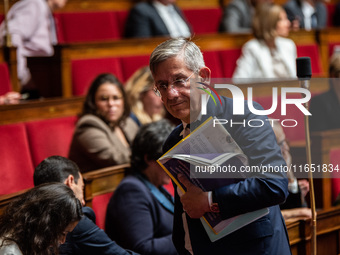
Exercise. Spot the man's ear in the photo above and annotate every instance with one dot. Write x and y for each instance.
(205, 74)
(69, 181)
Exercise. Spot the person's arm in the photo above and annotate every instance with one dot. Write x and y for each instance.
(137, 24)
(88, 238)
(135, 221)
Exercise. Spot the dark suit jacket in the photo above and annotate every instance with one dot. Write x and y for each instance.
(144, 21)
(137, 220)
(325, 110)
(267, 235)
(88, 238)
(293, 10)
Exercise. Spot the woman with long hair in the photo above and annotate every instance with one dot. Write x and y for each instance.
(38, 221)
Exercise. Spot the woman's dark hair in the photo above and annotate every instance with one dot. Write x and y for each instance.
(89, 106)
(36, 220)
(149, 141)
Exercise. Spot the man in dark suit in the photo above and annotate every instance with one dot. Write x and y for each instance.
(87, 237)
(156, 18)
(172, 64)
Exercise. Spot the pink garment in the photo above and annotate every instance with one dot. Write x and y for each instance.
(30, 23)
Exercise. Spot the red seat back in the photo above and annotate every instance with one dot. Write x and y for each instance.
(228, 60)
(212, 60)
(203, 21)
(86, 26)
(312, 52)
(84, 71)
(16, 164)
(131, 64)
(50, 137)
(330, 13)
(5, 84)
(99, 206)
(122, 17)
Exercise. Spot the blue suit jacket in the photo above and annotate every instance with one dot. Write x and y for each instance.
(144, 21)
(88, 238)
(267, 235)
(138, 221)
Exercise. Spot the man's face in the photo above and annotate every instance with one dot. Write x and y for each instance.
(78, 189)
(179, 102)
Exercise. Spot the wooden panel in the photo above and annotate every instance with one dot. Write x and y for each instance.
(102, 181)
(6, 199)
(40, 109)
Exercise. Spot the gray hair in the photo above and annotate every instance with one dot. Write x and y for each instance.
(172, 48)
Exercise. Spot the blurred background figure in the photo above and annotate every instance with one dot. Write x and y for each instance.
(11, 97)
(325, 108)
(238, 15)
(295, 205)
(145, 105)
(32, 29)
(306, 14)
(104, 131)
(38, 221)
(156, 18)
(140, 212)
(268, 55)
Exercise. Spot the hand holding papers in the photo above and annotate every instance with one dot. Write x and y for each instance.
(209, 145)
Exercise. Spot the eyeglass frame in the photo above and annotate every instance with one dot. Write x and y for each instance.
(158, 93)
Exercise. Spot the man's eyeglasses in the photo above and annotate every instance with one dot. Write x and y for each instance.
(161, 88)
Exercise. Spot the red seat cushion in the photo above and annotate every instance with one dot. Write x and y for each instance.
(312, 52)
(203, 21)
(99, 206)
(86, 26)
(131, 64)
(50, 137)
(84, 71)
(228, 60)
(16, 164)
(5, 85)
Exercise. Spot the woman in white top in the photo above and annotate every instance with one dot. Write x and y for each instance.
(37, 222)
(268, 55)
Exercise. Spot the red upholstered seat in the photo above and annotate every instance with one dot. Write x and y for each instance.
(50, 137)
(312, 52)
(16, 164)
(86, 26)
(212, 60)
(330, 13)
(131, 64)
(5, 84)
(121, 17)
(203, 21)
(228, 60)
(84, 71)
(334, 158)
(99, 205)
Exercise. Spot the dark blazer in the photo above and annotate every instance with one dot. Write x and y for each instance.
(137, 220)
(144, 21)
(267, 235)
(293, 10)
(88, 238)
(325, 110)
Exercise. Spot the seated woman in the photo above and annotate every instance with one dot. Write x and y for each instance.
(139, 215)
(38, 221)
(146, 106)
(104, 131)
(268, 55)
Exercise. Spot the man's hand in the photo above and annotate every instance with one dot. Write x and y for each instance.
(195, 201)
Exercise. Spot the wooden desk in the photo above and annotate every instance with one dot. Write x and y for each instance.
(40, 109)
(328, 226)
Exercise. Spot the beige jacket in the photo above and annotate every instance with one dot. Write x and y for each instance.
(95, 145)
